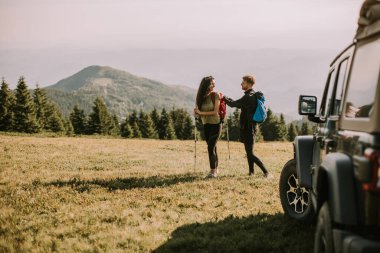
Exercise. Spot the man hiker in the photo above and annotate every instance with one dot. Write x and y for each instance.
(248, 127)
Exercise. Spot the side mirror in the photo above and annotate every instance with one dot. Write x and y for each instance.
(307, 105)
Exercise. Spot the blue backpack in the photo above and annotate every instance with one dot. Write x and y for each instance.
(261, 111)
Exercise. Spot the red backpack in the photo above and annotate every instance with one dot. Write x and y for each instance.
(222, 106)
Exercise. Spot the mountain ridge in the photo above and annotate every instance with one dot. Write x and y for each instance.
(121, 91)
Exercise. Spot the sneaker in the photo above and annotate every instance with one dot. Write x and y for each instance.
(268, 175)
(210, 175)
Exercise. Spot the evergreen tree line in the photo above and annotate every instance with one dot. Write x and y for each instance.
(29, 112)
(176, 124)
(32, 112)
(164, 125)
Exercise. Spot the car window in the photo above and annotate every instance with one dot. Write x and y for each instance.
(326, 100)
(339, 86)
(363, 81)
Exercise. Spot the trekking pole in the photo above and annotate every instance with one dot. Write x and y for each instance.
(195, 144)
(228, 141)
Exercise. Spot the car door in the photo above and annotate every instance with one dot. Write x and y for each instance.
(330, 110)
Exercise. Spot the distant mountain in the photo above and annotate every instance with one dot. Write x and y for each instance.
(121, 91)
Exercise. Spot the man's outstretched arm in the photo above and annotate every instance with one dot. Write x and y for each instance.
(237, 103)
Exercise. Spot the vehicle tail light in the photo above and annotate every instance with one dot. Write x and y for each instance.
(373, 157)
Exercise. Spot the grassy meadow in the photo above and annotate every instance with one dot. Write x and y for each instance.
(83, 194)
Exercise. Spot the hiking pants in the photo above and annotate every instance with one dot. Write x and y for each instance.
(212, 133)
(248, 138)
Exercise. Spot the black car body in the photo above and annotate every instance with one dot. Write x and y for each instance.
(335, 173)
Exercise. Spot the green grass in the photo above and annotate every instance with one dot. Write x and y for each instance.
(115, 195)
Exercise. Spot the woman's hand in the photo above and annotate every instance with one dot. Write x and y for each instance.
(197, 112)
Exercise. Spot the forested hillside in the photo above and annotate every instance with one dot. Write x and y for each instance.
(122, 92)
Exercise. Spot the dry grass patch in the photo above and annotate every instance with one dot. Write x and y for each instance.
(114, 195)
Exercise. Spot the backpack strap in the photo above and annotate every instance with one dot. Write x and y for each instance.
(213, 97)
(258, 94)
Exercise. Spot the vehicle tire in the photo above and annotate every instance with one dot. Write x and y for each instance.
(295, 200)
(323, 241)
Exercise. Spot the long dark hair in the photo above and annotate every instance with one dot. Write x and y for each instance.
(202, 90)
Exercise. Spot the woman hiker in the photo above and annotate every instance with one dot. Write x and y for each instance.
(208, 103)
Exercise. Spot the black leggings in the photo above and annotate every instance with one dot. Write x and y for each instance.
(212, 133)
(249, 141)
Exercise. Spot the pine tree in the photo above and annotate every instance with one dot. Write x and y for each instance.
(114, 128)
(188, 129)
(176, 116)
(274, 128)
(259, 136)
(291, 132)
(155, 116)
(179, 118)
(282, 131)
(200, 130)
(126, 130)
(40, 104)
(136, 133)
(305, 129)
(233, 122)
(166, 129)
(146, 126)
(24, 113)
(78, 120)
(133, 118)
(7, 103)
(298, 131)
(226, 125)
(99, 120)
(54, 120)
(268, 127)
(173, 114)
(69, 127)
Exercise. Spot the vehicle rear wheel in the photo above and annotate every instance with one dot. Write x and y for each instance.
(323, 241)
(295, 200)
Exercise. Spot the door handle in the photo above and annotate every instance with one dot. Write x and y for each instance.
(321, 141)
(330, 146)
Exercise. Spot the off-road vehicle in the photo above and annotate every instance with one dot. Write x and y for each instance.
(334, 178)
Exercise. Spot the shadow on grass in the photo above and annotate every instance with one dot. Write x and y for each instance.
(125, 183)
(258, 233)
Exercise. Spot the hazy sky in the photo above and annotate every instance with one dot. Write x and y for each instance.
(177, 24)
(48, 40)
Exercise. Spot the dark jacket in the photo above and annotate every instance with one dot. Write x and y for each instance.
(247, 104)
